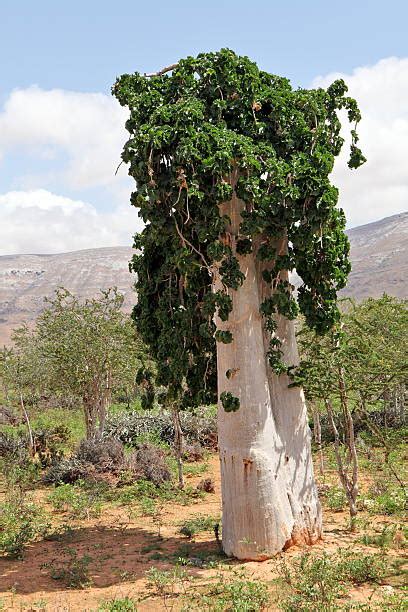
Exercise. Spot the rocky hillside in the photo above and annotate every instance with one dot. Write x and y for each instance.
(26, 279)
(379, 254)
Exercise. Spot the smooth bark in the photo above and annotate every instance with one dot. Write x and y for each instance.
(269, 495)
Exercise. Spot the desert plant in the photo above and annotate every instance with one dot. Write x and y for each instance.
(235, 593)
(149, 463)
(21, 521)
(197, 524)
(74, 571)
(165, 584)
(122, 604)
(76, 501)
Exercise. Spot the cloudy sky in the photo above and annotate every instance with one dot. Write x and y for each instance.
(61, 132)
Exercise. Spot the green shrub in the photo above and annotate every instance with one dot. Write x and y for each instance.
(235, 594)
(197, 524)
(336, 499)
(314, 584)
(391, 500)
(124, 604)
(360, 568)
(74, 571)
(78, 502)
(21, 522)
(391, 536)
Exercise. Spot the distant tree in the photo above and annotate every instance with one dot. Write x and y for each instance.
(85, 349)
(350, 370)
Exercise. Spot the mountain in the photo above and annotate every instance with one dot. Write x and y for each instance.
(379, 255)
(26, 279)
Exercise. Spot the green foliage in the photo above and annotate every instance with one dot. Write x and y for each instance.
(233, 593)
(371, 347)
(165, 583)
(229, 402)
(123, 604)
(74, 571)
(336, 499)
(197, 524)
(21, 522)
(86, 350)
(218, 125)
(360, 568)
(77, 501)
(392, 501)
(391, 536)
(316, 583)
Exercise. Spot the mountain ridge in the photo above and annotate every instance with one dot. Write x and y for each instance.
(379, 256)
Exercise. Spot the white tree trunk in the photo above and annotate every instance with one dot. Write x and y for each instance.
(269, 497)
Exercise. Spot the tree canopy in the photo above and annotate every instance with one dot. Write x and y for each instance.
(215, 115)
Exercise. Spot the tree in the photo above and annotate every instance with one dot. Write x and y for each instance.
(231, 167)
(352, 368)
(86, 349)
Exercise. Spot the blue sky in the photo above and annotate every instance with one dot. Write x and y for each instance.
(65, 144)
(84, 44)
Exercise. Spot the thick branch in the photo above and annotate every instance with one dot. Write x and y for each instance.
(160, 72)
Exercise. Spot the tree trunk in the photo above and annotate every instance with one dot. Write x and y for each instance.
(317, 431)
(269, 495)
(178, 445)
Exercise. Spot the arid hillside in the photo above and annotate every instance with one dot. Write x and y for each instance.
(26, 279)
(379, 254)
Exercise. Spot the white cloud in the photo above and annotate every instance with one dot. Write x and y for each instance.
(380, 187)
(39, 221)
(79, 136)
(85, 129)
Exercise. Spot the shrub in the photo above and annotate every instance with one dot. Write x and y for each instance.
(21, 521)
(234, 595)
(149, 463)
(124, 604)
(129, 427)
(335, 499)
(207, 485)
(74, 572)
(391, 500)
(314, 584)
(193, 452)
(360, 568)
(66, 471)
(197, 524)
(106, 454)
(78, 502)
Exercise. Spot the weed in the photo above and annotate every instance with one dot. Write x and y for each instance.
(197, 524)
(238, 594)
(392, 502)
(76, 501)
(360, 568)
(165, 583)
(391, 536)
(125, 604)
(21, 521)
(74, 572)
(314, 584)
(336, 499)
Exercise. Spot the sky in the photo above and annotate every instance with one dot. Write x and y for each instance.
(61, 132)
